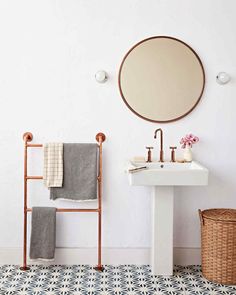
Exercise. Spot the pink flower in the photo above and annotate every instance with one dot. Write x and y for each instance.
(188, 140)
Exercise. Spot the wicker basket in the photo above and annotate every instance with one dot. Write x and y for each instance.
(218, 231)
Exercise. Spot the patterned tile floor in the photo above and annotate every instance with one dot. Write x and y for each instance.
(115, 280)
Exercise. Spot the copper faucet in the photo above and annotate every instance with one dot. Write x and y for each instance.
(161, 144)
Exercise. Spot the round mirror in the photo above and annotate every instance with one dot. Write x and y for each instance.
(161, 79)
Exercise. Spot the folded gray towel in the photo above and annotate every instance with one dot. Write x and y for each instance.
(79, 173)
(43, 233)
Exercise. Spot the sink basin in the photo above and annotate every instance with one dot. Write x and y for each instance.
(168, 173)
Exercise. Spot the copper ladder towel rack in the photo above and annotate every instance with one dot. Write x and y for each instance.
(28, 137)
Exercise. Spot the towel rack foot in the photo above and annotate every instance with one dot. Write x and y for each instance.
(24, 268)
(99, 268)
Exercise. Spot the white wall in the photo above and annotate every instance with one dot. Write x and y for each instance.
(49, 53)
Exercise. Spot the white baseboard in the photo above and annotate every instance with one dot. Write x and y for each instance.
(182, 256)
(187, 256)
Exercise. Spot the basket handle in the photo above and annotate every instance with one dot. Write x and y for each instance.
(200, 216)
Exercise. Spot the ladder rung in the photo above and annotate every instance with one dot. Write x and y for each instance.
(34, 177)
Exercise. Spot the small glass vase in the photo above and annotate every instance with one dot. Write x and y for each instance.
(188, 157)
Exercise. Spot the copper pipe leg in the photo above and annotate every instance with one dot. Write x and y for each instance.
(25, 243)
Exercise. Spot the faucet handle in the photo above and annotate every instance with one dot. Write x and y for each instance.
(149, 157)
(173, 148)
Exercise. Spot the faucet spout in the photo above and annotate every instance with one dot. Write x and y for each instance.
(161, 143)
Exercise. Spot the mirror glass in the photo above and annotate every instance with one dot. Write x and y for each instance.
(161, 79)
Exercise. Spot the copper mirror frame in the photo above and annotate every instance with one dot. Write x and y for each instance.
(196, 101)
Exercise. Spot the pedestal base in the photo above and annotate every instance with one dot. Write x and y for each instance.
(162, 230)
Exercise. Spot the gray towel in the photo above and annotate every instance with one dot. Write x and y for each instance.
(79, 173)
(43, 233)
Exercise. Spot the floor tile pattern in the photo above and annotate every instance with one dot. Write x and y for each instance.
(115, 280)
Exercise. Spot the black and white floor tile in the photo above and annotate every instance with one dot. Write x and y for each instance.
(115, 280)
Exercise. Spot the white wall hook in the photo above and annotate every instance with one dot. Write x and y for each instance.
(101, 76)
(222, 78)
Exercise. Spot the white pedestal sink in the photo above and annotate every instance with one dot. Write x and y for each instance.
(163, 177)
